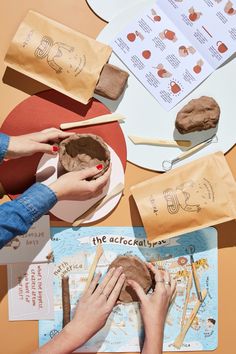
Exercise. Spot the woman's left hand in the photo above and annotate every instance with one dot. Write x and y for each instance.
(154, 307)
(91, 314)
(95, 306)
(44, 141)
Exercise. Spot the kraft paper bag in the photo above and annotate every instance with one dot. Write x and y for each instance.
(197, 195)
(61, 58)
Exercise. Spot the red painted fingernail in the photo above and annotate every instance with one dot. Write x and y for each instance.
(55, 148)
(99, 167)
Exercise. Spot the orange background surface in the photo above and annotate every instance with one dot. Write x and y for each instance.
(22, 337)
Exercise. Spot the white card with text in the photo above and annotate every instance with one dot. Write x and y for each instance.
(30, 291)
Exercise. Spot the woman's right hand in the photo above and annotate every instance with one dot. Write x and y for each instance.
(154, 306)
(94, 307)
(74, 185)
(154, 309)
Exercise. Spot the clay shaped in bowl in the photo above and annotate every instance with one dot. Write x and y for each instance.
(81, 151)
(69, 210)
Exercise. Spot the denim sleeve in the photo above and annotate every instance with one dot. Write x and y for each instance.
(17, 216)
(4, 141)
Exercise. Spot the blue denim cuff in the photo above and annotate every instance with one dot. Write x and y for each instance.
(4, 142)
(38, 200)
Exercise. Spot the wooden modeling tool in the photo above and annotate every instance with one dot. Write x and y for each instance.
(65, 300)
(168, 164)
(190, 250)
(179, 340)
(160, 264)
(173, 297)
(189, 286)
(99, 253)
(152, 141)
(106, 118)
(171, 303)
(115, 191)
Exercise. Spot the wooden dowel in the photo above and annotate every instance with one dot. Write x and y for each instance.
(189, 286)
(106, 118)
(99, 252)
(115, 191)
(161, 142)
(192, 150)
(65, 300)
(196, 281)
(179, 340)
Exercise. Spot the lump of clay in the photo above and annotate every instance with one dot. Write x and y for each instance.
(81, 151)
(112, 82)
(134, 269)
(199, 114)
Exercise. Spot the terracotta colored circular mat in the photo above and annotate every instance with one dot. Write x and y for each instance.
(49, 109)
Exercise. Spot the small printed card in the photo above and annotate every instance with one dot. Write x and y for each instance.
(33, 247)
(174, 46)
(30, 291)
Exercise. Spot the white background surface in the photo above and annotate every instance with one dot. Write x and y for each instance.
(108, 9)
(145, 116)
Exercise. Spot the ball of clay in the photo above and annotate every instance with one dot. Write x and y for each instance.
(81, 151)
(112, 81)
(134, 269)
(199, 114)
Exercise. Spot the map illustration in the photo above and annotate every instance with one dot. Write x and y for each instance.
(74, 250)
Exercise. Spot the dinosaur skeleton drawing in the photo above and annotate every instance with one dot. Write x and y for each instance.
(179, 198)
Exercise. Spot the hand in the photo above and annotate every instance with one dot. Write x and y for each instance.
(74, 186)
(95, 306)
(29, 144)
(92, 311)
(154, 306)
(154, 309)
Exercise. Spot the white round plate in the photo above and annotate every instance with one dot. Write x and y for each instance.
(108, 9)
(68, 210)
(146, 117)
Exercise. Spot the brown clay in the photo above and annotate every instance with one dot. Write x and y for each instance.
(199, 114)
(112, 82)
(134, 269)
(81, 151)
